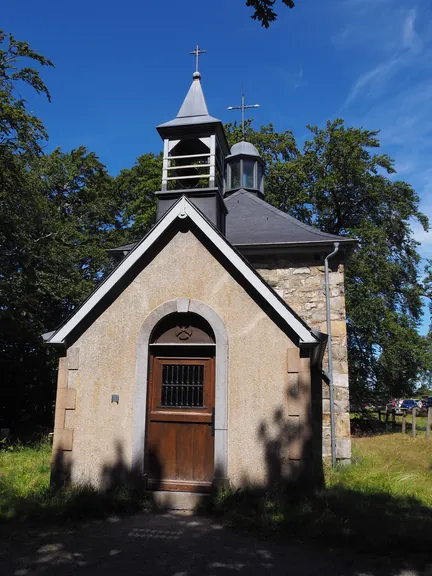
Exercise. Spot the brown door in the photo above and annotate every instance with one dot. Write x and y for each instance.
(180, 416)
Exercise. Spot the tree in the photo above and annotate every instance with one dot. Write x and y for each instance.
(339, 185)
(58, 215)
(22, 135)
(57, 224)
(20, 130)
(135, 188)
(264, 12)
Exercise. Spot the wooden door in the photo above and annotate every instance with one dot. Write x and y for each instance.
(180, 424)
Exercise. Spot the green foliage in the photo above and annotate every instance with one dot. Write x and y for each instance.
(58, 220)
(264, 12)
(58, 216)
(135, 188)
(20, 130)
(342, 185)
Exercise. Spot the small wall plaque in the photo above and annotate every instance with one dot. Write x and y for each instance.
(115, 398)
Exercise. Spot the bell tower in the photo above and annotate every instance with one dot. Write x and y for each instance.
(195, 147)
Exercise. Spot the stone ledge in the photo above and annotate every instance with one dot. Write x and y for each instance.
(165, 500)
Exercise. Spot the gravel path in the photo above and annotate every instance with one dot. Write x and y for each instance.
(172, 545)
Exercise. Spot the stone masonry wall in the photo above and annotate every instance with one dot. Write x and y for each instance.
(302, 285)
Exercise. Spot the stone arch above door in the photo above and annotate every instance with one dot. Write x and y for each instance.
(221, 381)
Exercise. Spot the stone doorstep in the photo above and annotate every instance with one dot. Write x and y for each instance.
(177, 500)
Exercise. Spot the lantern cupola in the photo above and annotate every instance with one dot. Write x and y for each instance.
(244, 169)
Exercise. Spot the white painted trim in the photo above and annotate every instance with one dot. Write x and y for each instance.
(182, 209)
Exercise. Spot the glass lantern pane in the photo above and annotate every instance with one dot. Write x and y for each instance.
(235, 174)
(260, 178)
(248, 173)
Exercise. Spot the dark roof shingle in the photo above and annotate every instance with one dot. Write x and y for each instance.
(251, 220)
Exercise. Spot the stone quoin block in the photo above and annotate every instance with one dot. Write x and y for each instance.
(59, 418)
(338, 328)
(343, 448)
(293, 360)
(296, 448)
(340, 380)
(63, 439)
(73, 358)
(66, 399)
(62, 375)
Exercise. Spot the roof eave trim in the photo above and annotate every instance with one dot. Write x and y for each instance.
(296, 243)
(183, 209)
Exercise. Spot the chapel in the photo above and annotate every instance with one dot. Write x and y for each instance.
(201, 361)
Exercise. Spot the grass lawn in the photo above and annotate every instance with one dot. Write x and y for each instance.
(382, 503)
(25, 492)
(395, 464)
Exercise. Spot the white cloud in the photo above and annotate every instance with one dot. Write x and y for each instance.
(389, 43)
(410, 37)
(379, 75)
(299, 80)
(420, 235)
(393, 93)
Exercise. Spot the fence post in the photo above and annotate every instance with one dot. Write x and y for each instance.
(414, 413)
(429, 421)
(393, 418)
(403, 422)
(386, 421)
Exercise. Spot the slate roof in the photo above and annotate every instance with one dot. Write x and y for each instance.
(194, 108)
(251, 220)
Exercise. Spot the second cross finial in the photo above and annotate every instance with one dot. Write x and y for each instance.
(243, 107)
(197, 53)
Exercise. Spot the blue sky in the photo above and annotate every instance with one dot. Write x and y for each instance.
(123, 67)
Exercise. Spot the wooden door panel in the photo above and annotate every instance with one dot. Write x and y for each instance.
(180, 452)
(203, 457)
(180, 443)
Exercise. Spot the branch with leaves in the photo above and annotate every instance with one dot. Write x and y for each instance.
(264, 12)
(20, 130)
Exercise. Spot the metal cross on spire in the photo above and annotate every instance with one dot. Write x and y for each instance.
(243, 108)
(197, 53)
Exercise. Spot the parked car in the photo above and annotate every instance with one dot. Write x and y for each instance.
(426, 402)
(394, 404)
(408, 405)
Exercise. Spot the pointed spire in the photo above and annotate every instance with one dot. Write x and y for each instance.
(194, 104)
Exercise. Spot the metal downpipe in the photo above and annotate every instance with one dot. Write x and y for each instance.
(330, 354)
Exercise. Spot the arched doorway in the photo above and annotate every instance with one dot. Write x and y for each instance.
(179, 452)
